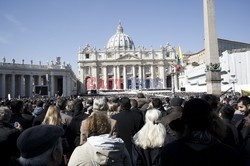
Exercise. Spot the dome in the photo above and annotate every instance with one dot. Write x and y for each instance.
(120, 41)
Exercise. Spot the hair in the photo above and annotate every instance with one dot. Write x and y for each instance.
(61, 103)
(157, 103)
(16, 106)
(70, 106)
(100, 104)
(112, 108)
(44, 158)
(5, 114)
(125, 103)
(134, 103)
(153, 133)
(52, 116)
(97, 124)
(244, 99)
(227, 112)
(212, 100)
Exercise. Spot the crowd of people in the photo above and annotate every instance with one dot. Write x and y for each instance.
(126, 130)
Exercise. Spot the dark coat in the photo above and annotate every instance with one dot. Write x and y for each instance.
(73, 131)
(8, 137)
(185, 153)
(128, 124)
(145, 157)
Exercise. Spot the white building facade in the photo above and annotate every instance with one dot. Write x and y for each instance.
(122, 66)
(27, 80)
(235, 72)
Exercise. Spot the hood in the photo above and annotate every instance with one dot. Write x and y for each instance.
(37, 111)
(200, 140)
(106, 149)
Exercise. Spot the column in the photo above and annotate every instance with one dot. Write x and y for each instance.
(64, 85)
(115, 78)
(52, 85)
(30, 86)
(22, 86)
(140, 80)
(162, 77)
(134, 78)
(124, 77)
(3, 85)
(143, 77)
(118, 77)
(39, 80)
(152, 81)
(13, 94)
(95, 76)
(105, 77)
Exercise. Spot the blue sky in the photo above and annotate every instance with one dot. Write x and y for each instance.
(44, 29)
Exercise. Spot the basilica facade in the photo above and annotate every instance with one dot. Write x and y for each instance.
(122, 66)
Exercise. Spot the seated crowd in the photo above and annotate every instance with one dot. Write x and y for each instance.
(125, 130)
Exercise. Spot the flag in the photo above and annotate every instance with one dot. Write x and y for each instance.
(180, 56)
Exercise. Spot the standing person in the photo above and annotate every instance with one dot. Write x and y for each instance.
(8, 136)
(196, 144)
(101, 148)
(233, 137)
(149, 140)
(40, 145)
(73, 131)
(100, 105)
(128, 123)
(66, 119)
(16, 116)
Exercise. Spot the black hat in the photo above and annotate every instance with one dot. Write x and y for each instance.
(37, 140)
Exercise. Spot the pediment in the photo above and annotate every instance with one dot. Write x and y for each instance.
(129, 57)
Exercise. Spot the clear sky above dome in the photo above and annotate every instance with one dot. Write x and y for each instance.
(44, 29)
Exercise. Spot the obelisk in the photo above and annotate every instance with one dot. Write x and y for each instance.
(213, 75)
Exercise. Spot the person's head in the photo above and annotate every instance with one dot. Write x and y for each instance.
(97, 124)
(125, 103)
(113, 107)
(70, 106)
(196, 114)
(89, 101)
(176, 102)
(5, 114)
(226, 112)
(52, 116)
(16, 106)
(100, 104)
(134, 103)
(153, 116)
(243, 104)
(153, 133)
(212, 100)
(156, 103)
(140, 95)
(39, 103)
(41, 145)
(78, 107)
(61, 103)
